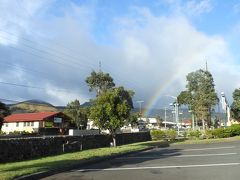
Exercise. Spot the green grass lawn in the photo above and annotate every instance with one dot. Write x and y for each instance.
(16, 169)
(206, 141)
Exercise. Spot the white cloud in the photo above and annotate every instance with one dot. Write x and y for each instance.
(194, 7)
(174, 48)
(148, 51)
(16, 17)
(190, 8)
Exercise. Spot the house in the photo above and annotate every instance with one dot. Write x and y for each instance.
(186, 123)
(32, 122)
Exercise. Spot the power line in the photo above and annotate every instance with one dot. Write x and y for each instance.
(21, 67)
(56, 54)
(27, 86)
(59, 57)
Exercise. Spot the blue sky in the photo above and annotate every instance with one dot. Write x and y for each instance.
(147, 46)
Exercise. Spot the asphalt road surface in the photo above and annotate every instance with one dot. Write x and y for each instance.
(182, 162)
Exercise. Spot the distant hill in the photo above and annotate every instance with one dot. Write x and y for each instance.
(32, 106)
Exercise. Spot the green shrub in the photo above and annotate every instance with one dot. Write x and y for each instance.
(194, 134)
(15, 133)
(222, 133)
(158, 134)
(2, 133)
(235, 129)
(171, 134)
(185, 134)
(209, 134)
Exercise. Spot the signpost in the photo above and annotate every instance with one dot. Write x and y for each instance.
(57, 120)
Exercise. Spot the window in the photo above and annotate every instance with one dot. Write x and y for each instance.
(6, 124)
(24, 124)
(17, 124)
(28, 123)
(32, 124)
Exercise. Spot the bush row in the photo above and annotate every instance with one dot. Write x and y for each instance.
(166, 134)
(231, 131)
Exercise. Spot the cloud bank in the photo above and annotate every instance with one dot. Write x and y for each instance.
(151, 54)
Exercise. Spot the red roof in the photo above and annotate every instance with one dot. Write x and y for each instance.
(41, 116)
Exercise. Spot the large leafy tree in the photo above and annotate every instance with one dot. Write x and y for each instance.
(111, 110)
(132, 120)
(99, 82)
(200, 94)
(235, 107)
(4, 111)
(77, 114)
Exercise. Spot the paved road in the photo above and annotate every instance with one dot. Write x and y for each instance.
(186, 162)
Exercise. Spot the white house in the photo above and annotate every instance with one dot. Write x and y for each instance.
(31, 122)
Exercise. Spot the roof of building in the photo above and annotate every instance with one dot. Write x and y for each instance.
(40, 116)
(187, 121)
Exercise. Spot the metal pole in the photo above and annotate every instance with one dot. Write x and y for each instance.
(165, 118)
(176, 112)
(140, 106)
(177, 116)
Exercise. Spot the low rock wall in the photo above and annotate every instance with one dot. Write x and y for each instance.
(18, 149)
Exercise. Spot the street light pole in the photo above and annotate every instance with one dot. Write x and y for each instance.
(165, 118)
(176, 112)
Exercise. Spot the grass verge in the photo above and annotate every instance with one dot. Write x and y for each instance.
(16, 169)
(206, 141)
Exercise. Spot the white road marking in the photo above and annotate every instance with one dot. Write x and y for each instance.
(203, 149)
(161, 167)
(172, 155)
(202, 155)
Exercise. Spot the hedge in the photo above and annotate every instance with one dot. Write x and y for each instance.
(166, 134)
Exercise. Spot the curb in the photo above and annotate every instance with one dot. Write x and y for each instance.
(43, 174)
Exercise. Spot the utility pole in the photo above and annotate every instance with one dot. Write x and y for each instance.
(100, 66)
(165, 117)
(176, 112)
(140, 108)
(177, 117)
(226, 109)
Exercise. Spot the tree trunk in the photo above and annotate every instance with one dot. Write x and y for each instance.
(114, 139)
(203, 124)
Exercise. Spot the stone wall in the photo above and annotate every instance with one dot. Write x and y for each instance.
(18, 149)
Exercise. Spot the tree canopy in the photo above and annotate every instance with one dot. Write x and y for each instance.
(235, 107)
(4, 111)
(99, 82)
(111, 109)
(200, 94)
(77, 114)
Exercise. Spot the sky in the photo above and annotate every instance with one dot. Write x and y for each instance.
(49, 47)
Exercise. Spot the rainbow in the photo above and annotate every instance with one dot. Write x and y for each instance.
(159, 92)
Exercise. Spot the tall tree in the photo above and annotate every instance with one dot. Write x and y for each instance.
(200, 94)
(111, 110)
(235, 107)
(4, 111)
(99, 82)
(77, 114)
(132, 120)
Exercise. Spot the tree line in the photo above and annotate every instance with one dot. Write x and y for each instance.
(111, 108)
(200, 96)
